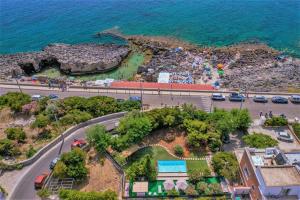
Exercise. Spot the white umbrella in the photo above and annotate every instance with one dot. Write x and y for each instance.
(181, 184)
(169, 185)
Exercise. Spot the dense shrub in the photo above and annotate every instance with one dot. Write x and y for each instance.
(173, 193)
(195, 175)
(226, 164)
(259, 140)
(296, 128)
(202, 187)
(7, 148)
(14, 100)
(132, 129)
(78, 195)
(30, 152)
(43, 193)
(215, 188)
(178, 150)
(41, 121)
(190, 191)
(75, 117)
(142, 168)
(71, 164)
(276, 121)
(15, 134)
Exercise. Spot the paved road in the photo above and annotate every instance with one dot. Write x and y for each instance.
(202, 101)
(24, 189)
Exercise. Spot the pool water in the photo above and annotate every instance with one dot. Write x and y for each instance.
(172, 166)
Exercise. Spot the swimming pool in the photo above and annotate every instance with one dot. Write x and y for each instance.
(171, 166)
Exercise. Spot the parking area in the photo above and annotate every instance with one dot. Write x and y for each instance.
(273, 132)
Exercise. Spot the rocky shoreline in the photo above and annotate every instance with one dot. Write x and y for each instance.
(247, 66)
(70, 59)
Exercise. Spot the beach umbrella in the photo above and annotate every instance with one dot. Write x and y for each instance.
(221, 72)
(220, 66)
(181, 184)
(169, 185)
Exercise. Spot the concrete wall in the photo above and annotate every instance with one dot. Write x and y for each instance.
(67, 133)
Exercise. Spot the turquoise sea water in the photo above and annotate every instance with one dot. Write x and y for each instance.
(28, 25)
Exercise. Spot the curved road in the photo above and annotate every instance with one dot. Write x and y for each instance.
(24, 190)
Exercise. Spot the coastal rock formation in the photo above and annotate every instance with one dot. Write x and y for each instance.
(71, 59)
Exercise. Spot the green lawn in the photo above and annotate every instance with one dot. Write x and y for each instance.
(159, 153)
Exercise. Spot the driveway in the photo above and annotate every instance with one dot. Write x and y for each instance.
(273, 132)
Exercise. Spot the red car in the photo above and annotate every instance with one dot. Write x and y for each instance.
(78, 143)
(40, 180)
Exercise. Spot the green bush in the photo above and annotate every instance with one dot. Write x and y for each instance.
(7, 148)
(142, 168)
(178, 150)
(98, 137)
(41, 121)
(259, 140)
(75, 117)
(276, 121)
(215, 188)
(190, 191)
(43, 193)
(226, 164)
(173, 193)
(78, 195)
(15, 134)
(14, 100)
(31, 151)
(195, 175)
(296, 128)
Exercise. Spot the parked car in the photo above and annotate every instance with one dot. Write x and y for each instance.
(40, 180)
(53, 96)
(236, 97)
(260, 99)
(217, 97)
(53, 163)
(285, 136)
(36, 97)
(135, 98)
(295, 98)
(279, 99)
(78, 143)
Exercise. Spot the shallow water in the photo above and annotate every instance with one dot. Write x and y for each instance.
(30, 25)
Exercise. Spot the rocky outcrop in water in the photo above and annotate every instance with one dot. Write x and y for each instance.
(71, 59)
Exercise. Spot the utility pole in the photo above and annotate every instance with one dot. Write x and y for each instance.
(211, 105)
(141, 88)
(19, 85)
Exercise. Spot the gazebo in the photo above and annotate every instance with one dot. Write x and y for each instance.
(169, 184)
(181, 184)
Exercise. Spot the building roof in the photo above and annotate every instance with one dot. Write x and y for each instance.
(280, 175)
(140, 187)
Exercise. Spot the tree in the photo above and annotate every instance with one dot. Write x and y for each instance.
(259, 140)
(142, 168)
(178, 150)
(226, 164)
(195, 175)
(72, 165)
(202, 187)
(30, 152)
(242, 118)
(43, 193)
(75, 117)
(15, 134)
(215, 188)
(98, 137)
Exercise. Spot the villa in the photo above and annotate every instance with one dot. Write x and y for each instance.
(269, 174)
